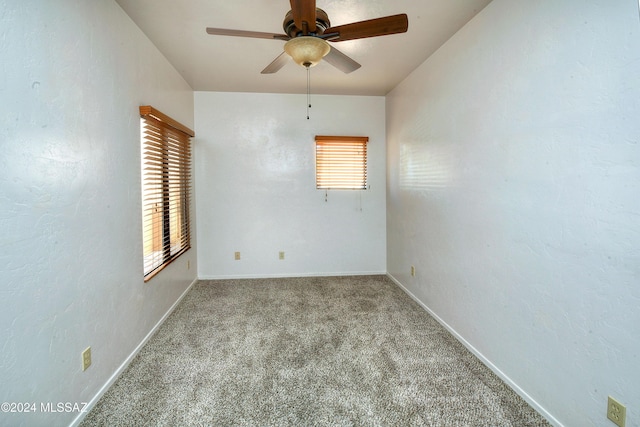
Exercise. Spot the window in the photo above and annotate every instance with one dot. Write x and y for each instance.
(166, 187)
(341, 162)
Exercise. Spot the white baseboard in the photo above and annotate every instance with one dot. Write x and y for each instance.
(480, 356)
(128, 360)
(278, 275)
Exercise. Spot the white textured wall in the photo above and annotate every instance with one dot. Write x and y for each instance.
(256, 190)
(72, 75)
(514, 188)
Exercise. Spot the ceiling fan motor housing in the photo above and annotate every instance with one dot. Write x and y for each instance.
(322, 23)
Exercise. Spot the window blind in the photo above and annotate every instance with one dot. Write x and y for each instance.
(166, 189)
(341, 162)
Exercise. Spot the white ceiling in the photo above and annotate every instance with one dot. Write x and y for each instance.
(233, 64)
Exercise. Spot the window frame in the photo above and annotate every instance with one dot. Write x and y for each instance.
(166, 189)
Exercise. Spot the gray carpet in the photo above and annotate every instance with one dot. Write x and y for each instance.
(340, 351)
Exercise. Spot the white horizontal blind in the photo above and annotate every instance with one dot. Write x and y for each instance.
(166, 190)
(341, 162)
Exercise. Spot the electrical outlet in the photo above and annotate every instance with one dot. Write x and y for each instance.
(86, 358)
(281, 255)
(616, 412)
(413, 271)
(237, 256)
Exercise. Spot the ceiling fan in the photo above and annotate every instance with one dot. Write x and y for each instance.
(307, 30)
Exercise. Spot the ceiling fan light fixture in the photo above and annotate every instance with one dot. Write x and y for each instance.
(307, 50)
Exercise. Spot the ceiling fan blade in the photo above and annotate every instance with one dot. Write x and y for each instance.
(241, 33)
(304, 11)
(371, 28)
(277, 63)
(341, 61)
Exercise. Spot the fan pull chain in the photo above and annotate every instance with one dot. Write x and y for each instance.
(308, 90)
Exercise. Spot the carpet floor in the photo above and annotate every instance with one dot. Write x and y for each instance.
(330, 351)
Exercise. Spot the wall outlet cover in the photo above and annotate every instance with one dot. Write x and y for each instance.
(616, 412)
(86, 358)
